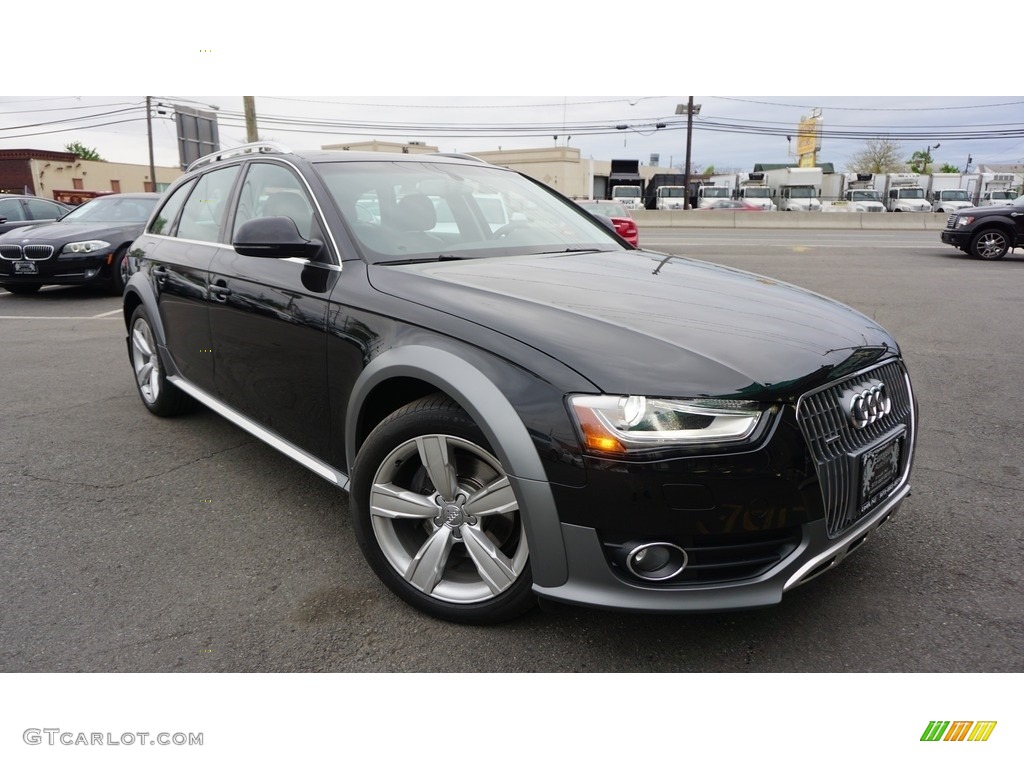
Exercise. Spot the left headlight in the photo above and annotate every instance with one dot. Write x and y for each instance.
(629, 425)
(87, 246)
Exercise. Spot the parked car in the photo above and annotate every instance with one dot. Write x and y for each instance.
(733, 205)
(987, 232)
(619, 216)
(534, 411)
(88, 245)
(21, 210)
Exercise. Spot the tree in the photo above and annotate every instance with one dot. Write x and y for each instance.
(947, 168)
(710, 170)
(82, 152)
(919, 161)
(878, 156)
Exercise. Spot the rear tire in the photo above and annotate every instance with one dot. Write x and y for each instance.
(158, 395)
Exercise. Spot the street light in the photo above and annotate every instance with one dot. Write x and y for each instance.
(689, 109)
(928, 156)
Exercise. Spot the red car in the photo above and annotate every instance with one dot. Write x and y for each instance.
(618, 214)
(733, 205)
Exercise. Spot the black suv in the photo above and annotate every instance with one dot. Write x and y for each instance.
(987, 232)
(523, 405)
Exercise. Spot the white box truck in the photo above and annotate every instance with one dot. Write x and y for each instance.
(902, 192)
(795, 189)
(947, 193)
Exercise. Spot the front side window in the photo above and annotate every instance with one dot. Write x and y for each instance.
(41, 209)
(206, 207)
(273, 190)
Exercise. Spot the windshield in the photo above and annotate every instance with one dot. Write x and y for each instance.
(801, 192)
(715, 192)
(427, 209)
(953, 194)
(114, 209)
(756, 192)
(625, 191)
(1002, 195)
(672, 191)
(865, 194)
(915, 193)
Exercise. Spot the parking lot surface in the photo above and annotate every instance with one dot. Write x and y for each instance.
(137, 544)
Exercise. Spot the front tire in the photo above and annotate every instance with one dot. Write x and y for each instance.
(437, 518)
(990, 244)
(158, 395)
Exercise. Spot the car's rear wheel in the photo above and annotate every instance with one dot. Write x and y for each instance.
(990, 244)
(158, 395)
(437, 518)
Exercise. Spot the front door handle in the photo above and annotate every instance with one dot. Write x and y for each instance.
(219, 292)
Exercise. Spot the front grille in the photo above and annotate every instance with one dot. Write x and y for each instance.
(836, 445)
(714, 559)
(33, 252)
(38, 252)
(951, 221)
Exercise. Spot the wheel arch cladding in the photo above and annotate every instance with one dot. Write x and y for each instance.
(501, 425)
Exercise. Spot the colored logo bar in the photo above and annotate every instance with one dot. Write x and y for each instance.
(958, 730)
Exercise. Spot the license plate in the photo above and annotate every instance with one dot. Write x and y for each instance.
(880, 472)
(25, 268)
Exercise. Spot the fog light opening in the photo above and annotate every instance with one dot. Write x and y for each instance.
(656, 560)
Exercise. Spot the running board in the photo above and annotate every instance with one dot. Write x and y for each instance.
(325, 471)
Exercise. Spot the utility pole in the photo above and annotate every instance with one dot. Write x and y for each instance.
(149, 131)
(690, 110)
(250, 119)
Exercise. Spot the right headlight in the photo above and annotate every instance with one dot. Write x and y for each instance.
(627, 425)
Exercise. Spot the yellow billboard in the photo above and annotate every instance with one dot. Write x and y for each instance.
(808, 140)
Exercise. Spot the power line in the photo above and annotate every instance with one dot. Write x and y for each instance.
(869, 109)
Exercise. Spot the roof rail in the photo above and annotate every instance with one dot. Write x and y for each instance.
(258, 147)
(460, 156)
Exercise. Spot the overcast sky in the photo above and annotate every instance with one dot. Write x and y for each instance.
(731, 132)
(505, 76)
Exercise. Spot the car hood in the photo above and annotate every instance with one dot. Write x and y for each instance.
(990, 210)
(637, 322)
(58, 232)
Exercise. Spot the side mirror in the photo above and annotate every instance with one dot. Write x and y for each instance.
(274, 237)
(3, 219)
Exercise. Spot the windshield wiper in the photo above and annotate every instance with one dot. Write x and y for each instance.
(424, 259)
(569, 250)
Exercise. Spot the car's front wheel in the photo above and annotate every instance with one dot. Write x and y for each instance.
(437, 518)
(990, 244)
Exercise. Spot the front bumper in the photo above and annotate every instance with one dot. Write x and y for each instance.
(957, 238)
(59, 269)
(592, 583)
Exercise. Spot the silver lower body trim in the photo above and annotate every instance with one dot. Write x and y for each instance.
(324, 470)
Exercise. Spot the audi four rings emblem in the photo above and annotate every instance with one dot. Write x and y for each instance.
(866, 406)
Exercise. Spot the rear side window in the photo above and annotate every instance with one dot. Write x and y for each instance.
(169, 212)
(205, 209)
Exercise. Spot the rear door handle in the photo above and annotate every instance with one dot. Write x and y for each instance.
(161, 275)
